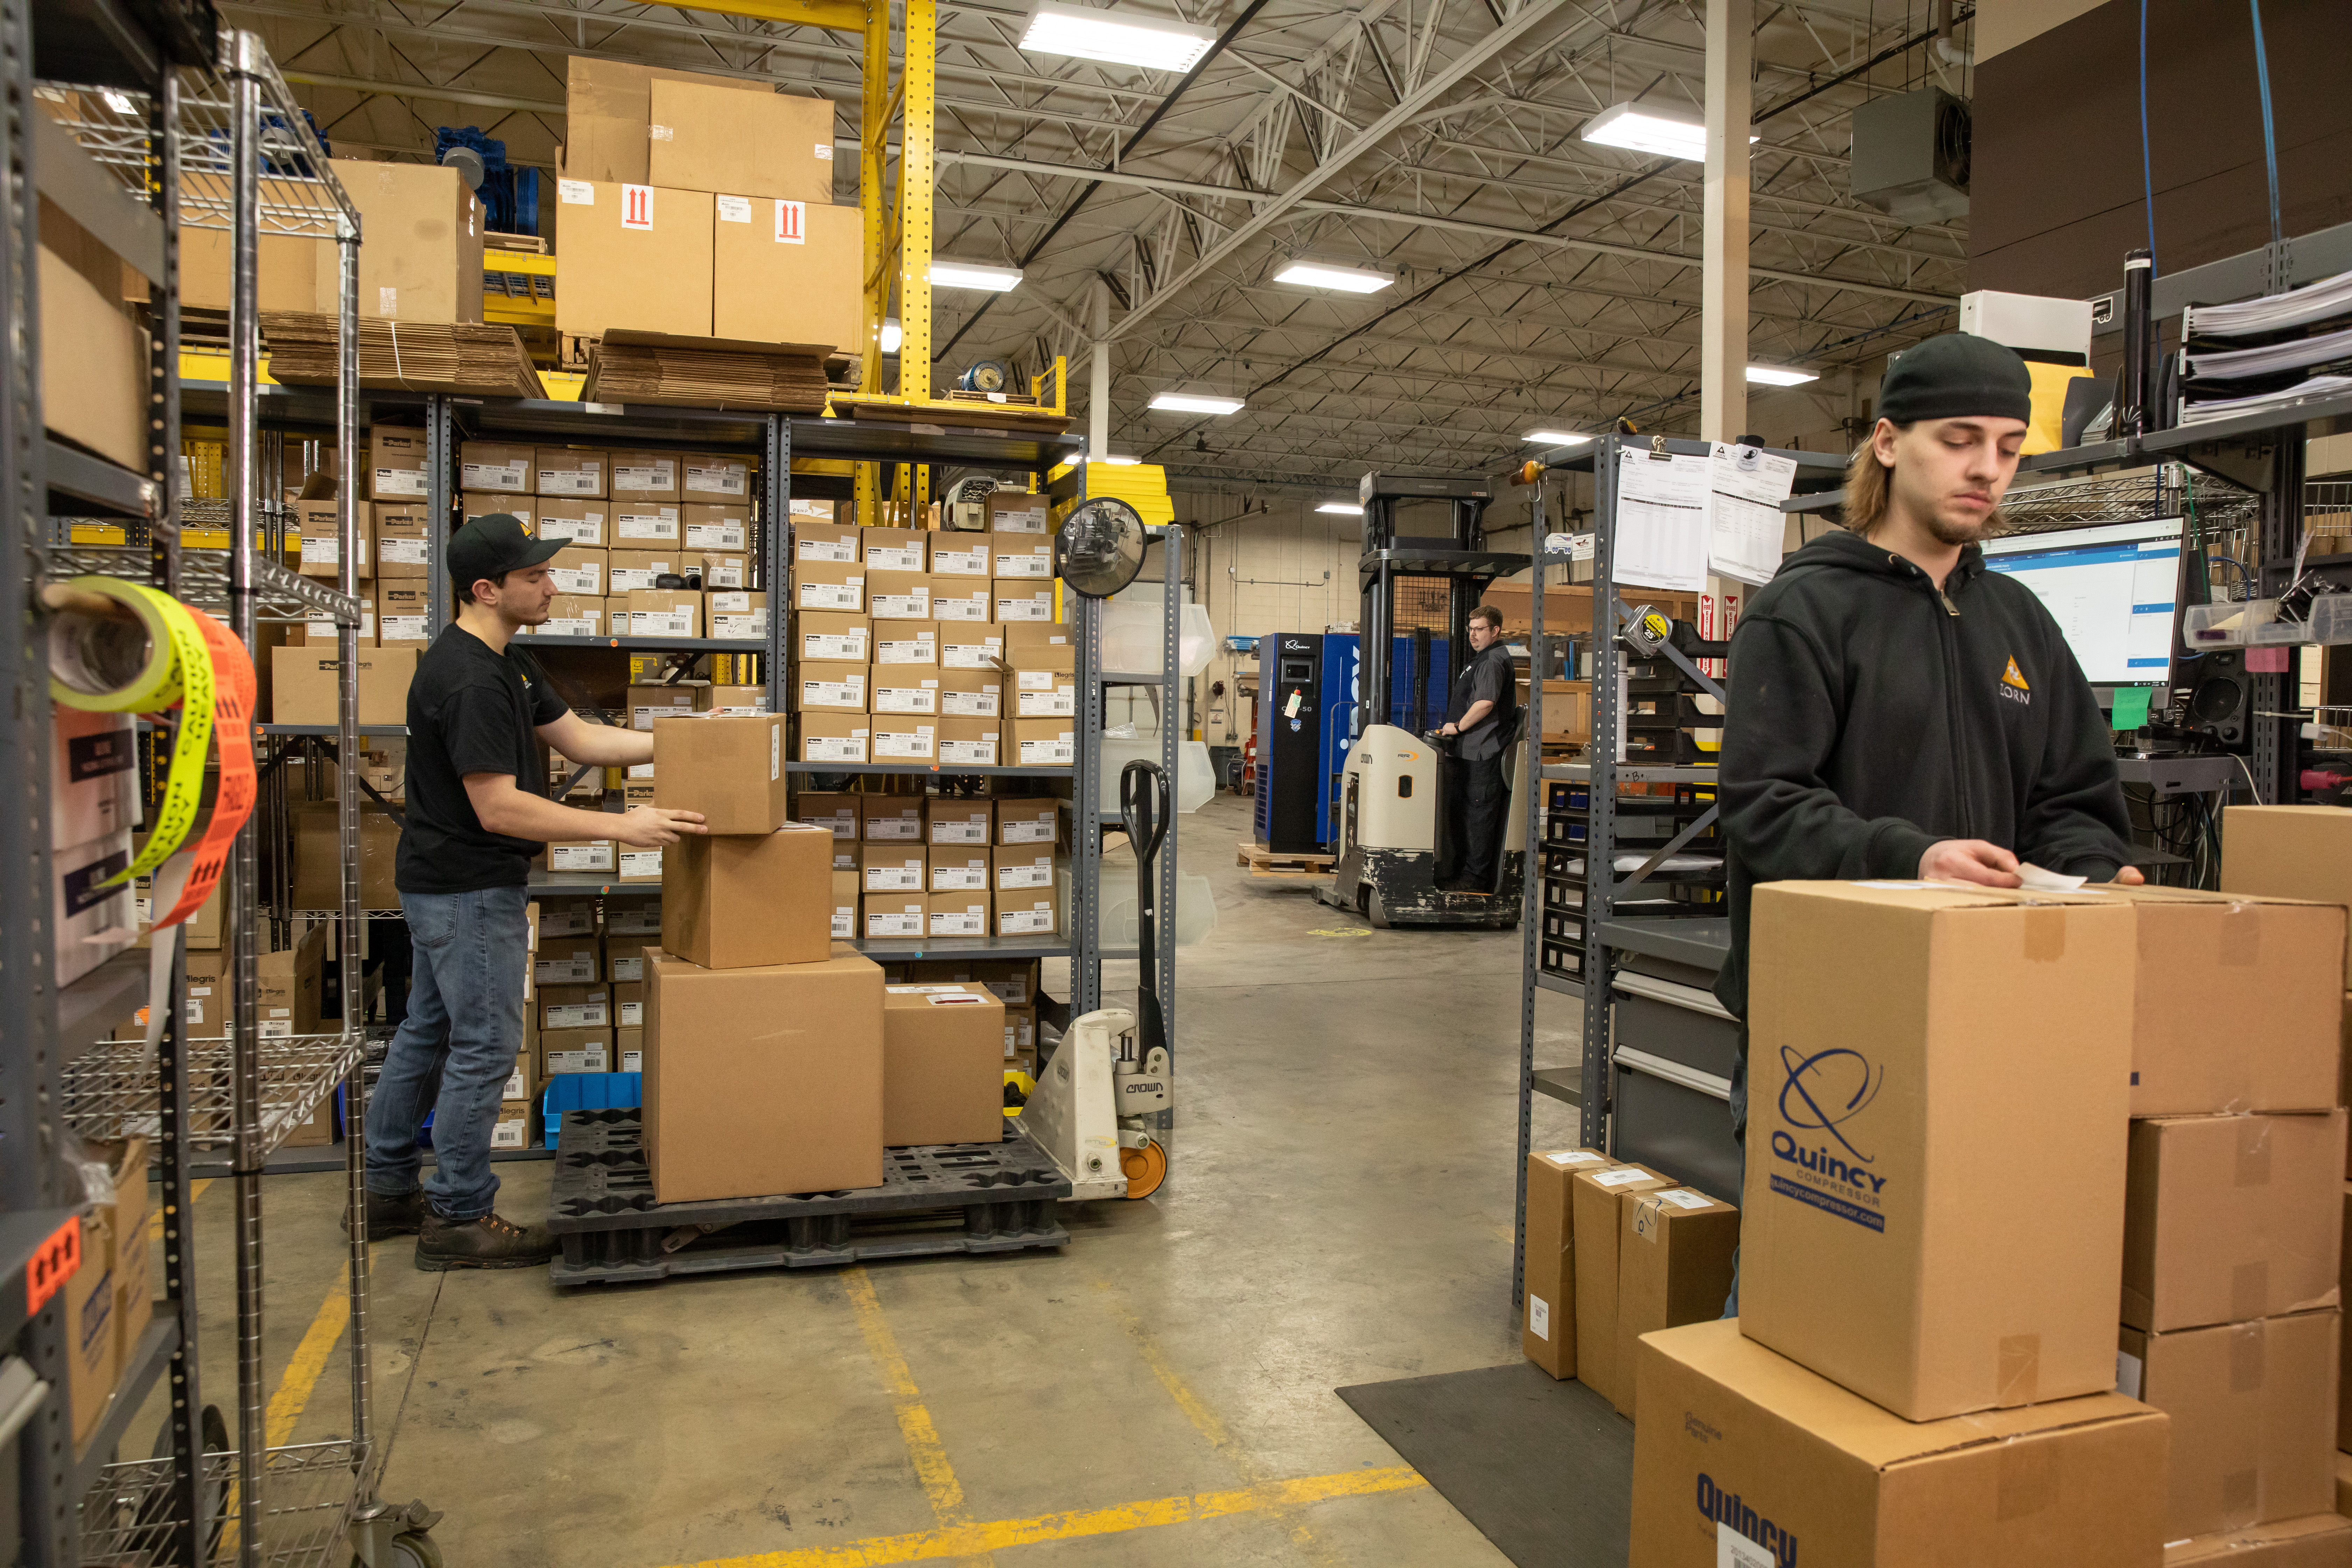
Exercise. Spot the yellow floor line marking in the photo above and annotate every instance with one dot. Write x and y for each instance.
(995, 1535)
(915, 1425)
(1207, 1422)
(294, 1391)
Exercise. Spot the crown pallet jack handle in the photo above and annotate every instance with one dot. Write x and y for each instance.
(1143, 811)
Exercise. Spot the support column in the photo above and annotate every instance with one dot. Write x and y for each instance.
(1723, 327)
(1098, 389)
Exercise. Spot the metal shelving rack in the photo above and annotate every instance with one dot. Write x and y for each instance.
(233, 124)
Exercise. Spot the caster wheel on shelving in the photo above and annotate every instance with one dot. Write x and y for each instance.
(409, 1552)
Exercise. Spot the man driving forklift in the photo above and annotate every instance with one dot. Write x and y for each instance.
(1480, 713)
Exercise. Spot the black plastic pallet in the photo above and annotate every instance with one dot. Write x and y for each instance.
(938, 1198)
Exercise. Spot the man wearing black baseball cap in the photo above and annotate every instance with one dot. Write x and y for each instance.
(477, 815)
(1896, 711)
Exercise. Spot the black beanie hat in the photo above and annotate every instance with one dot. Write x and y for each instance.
(1959, 376)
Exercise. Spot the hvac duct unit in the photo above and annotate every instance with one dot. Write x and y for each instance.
(1911, 155)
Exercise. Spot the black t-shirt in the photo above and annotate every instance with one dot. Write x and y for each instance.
(1487, 678)
(470, 711)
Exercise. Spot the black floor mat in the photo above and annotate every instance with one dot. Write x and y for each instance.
(1544, 1468)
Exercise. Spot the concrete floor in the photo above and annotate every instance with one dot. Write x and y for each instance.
(1160, 1392)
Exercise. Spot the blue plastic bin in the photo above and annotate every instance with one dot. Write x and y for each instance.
(588, 1091)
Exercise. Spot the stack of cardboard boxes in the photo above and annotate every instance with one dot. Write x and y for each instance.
(1948, 1198)
(932, 648)
(109, 1299)
(703, 207)
(917, 866)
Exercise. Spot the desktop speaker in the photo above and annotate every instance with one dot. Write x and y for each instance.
(2218, 702)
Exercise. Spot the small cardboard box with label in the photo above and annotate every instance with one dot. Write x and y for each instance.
(495, 467)
(2254, 1417)
(665, 613)
(972, 743)
(639, 524)
(1023, 556)
(581, 521)
(895, 867)
(577, 569)
(835, 813)
(574, 1008)
(725, 569)
(629, 570)
(397, 460)
(647, 703)
(822, 686)
(971, 647)
(1039, 743)
(841, 635)
(959, 869)
(574, 471)
(320, 522)
(896, 914)
(730, 769)
(402, 535)
(1023, 599)
(822, 538)
(962, 601)
(741, 900)
(2290, 852)
(942, 1071)
(906, 688)
(829, 585)
(710, 525)
(643, 476)
(896, 596)
(1028, 819)
(575, 1050)
(954, 822)
(736, 615)
(1031, 913)
(909, 643)
(715, 478)
(961, 555)
(895, 549)
(1014, 511)
(2231, 1218)
(1595, 1212)
(1674, 1267)
(568, 960)
(834, 737)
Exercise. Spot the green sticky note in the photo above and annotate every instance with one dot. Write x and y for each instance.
(2131, 707)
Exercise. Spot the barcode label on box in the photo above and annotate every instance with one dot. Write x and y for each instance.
(632, 967)
(588, 580)
(406, 551)
(580, 857)
(895, 557)
(575, 192)
(721, 576)
(1036, 609)
(731, 603)
(584, 481)
(972, 921)
(914, 743)
(1029, 832)
(1010, 876)
(591, 1059)
(624, 578)
(970, 754)
(901, 922)
(518, 1086)
(661, 623)
(508, 1131)
(577, 1015)
(914, 606)
(960, 879)
(834, 748)
(588, 528)
(579, 970)
(400, 481)
(507, 476)
(846, 596)
(961, 608)
(633, 1061)
(752, 627)
(322, 550)
(1684, 1198)
(834, 549)
(844, 923)
(717, 479)
(972, 654)
(848, 694)
(972, 562)
(905, 699)
(646, 525)
(714, 536)
(905, 650)
(1024, 565)
(963, 830)
(1025, 923)
(1059, 752)
(893, 829)
(639, 865)
(834, 645)
(1577, 1157)
(1620, 1178)
(968, 704)
(1013, 993)
(657, 474)
(1061, 704)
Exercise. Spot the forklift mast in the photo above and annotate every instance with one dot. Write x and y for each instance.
(1458, 556)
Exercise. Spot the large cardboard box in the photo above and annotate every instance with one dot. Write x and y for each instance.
(835, 737)
(635, 258)
(762, 1080)
(608, 115)
(306, 682)
(2254, 1417)
(2229, 1218)
(2314, 1541)
(2290, 852)
(730, 769)
(1548, 1334)
(1908, 1137)
(836, 635)
(422, 258)
(716, 138)
(825, 686)
(788, 271)
(1744, 1459)
(1674, 1252)
(942, 1065)
(2256, 971)
(1600, 1229)
(744, 901)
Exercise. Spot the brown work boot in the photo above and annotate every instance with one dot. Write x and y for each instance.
(488, 1242)
(387, 1215)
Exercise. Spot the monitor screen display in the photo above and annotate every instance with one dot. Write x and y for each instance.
(2110, 588)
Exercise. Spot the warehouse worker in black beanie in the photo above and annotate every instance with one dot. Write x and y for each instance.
(477, 815)
(1896, 711)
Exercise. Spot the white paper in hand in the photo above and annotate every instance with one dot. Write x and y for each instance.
(2034, 879)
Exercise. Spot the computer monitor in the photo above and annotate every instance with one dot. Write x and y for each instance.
(2112, 588)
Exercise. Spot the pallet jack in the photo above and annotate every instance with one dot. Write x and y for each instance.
(1394, 815)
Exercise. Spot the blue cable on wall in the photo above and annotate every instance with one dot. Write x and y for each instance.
(2269, 128)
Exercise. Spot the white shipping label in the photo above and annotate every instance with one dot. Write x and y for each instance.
(914, 606)
(752, 627)
(1039, 832)
(895, 557)
(714, 536)
(633, 1061)
(276, 1029)
(844, 923)
(970, 704)
(960, 879)
(587, 579)
(590, 1060)
(1539, 1317)
(972, 562)
(1058, 704)
(912, 742)
(2128, 1368)
(632, 966)
(404, 551)
(660, 132)
(970, 754)
(1573, 1157)
(905, 650)
(1024, 565)
(972, 654)
(411, 629)
(1733, 1550)
(824, 152)
(824, 550)
(1060, 751)
(578, 970)
(624, 578)
(1013, 993)
(791, 222)
(849, 595)
(577, 1015)
(1025, 923)
(734, 209)
(1622, 1178)
(1030, 519)
(507, 476)
(718, 480)
(1036, 609)
(735, 604)
(597, 857)
(1035, 679)
(639, 864)
(518, 1086)
(1034, 876)
(387, 302)
(399, 482)
(588, 528)
(842, 825)
(848, 694)
(657, 474)
(322, 550)
(660, 525)
(721, 576)
(636, 206)
(575, 192)
(905, 699)
(661, 623)
(960, 830)
(960, 607)
(896, 922)
(972, 921)
(833, 645)
(325, 630)
(508, 1132)
(580, 482)
(834, 748)
(893, 829)
(1684, 1198)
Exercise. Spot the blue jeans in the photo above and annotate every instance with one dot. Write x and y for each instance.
(464, 1023)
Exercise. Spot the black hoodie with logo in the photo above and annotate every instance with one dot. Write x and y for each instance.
(1872, 716)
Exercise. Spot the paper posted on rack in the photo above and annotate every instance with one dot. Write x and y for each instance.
(1662, 522)
(1746, 486)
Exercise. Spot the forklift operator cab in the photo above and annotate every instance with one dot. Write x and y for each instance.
(1395, 821)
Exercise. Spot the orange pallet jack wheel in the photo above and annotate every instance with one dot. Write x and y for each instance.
(1144, 1168)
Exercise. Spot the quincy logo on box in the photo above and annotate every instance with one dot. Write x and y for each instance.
(1743, 1538)
(1825, 1092)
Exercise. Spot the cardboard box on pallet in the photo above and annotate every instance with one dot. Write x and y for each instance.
(747, 901)
(1923, 1191)
(583, 521)
(2253, 1419)
(1600, 1233)
(1744, 1457)
(730, 769)
(1674, 1267)
(2314, 1541)
(942, 1073)
(835, 737)
(787, 271)
(635, 258)
(2229, 1218)
(2290, 852)
(1548, 1334)
(762, 1080)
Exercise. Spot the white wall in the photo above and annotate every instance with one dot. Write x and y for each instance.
(1287, 569)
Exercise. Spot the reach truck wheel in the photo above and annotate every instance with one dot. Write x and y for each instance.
(1144, 1168)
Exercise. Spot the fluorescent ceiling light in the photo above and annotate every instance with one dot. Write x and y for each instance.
(1194, 403)
(1122, 462)
(1115, 38)
(1555, 438)
(1328, 275)
(892, 336)
(1341, 509)
(1781, 375)
(1652, 128)
(947, 274)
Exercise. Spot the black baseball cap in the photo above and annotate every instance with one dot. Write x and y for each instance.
(496, 543)
(1959, 376)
